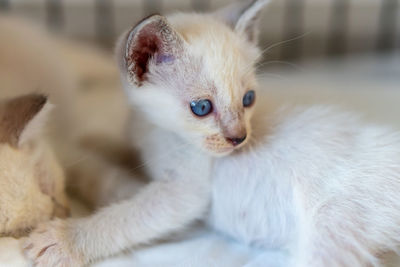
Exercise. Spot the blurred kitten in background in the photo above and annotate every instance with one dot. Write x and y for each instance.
(31, 179)
(77, 80)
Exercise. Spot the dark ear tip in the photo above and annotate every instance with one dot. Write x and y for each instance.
(37, 100)
(15, 114)
(41, 99)
(30, 103)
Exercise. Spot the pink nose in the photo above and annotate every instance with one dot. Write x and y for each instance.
(236, 140)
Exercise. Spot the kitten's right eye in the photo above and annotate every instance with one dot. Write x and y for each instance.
(201, 107)
(248, 98)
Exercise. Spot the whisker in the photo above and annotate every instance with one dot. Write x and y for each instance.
(284, 42)
(293, 65)
(273, 75)
(265, 50)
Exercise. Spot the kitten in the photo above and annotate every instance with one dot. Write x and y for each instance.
(31, 180)
(166, 63)
(64, 72)
(190, 79)
(315, 187)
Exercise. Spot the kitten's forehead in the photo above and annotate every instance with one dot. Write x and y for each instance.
(223, 58)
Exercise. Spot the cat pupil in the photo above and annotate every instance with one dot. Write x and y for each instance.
(248, 98)
(201, 107)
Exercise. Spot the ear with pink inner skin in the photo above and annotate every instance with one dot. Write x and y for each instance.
(243, 17)
(22, 118)
(152, 41)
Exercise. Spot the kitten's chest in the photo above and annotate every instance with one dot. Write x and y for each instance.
(250, 204)
(166, 156)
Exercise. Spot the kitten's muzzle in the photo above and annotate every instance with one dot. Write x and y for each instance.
(236, 140)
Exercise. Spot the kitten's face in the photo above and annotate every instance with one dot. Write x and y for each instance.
(195, 78)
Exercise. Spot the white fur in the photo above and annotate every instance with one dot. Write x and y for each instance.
(319, 183)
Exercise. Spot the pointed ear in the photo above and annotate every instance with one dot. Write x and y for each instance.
(242, 17)
(22, 118)
(151, 42)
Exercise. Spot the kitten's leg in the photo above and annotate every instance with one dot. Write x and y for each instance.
(160, 208)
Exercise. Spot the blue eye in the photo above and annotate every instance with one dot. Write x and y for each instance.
(248, 98)
(201, 107)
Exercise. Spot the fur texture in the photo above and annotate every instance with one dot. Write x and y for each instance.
(31, 180)
(342, 210)
(312, 187)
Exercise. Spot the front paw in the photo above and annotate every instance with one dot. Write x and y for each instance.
(50, 245)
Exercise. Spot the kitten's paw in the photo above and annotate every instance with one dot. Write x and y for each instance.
(50, 245)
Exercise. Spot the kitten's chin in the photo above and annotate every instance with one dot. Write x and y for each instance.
(221, 153)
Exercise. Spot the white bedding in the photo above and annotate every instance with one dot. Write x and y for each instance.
(203, 249)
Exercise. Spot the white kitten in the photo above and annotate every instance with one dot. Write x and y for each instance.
(305, 186)
(316, 185)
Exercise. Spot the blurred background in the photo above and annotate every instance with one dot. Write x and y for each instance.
(320, 44)
(320, 28)
(341, 51)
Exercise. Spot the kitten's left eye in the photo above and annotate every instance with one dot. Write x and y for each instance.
(201, 107)
(248, 98)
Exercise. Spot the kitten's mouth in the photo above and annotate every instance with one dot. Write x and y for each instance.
(221, 147)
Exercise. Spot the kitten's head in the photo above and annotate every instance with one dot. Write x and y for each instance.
(194, 73)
